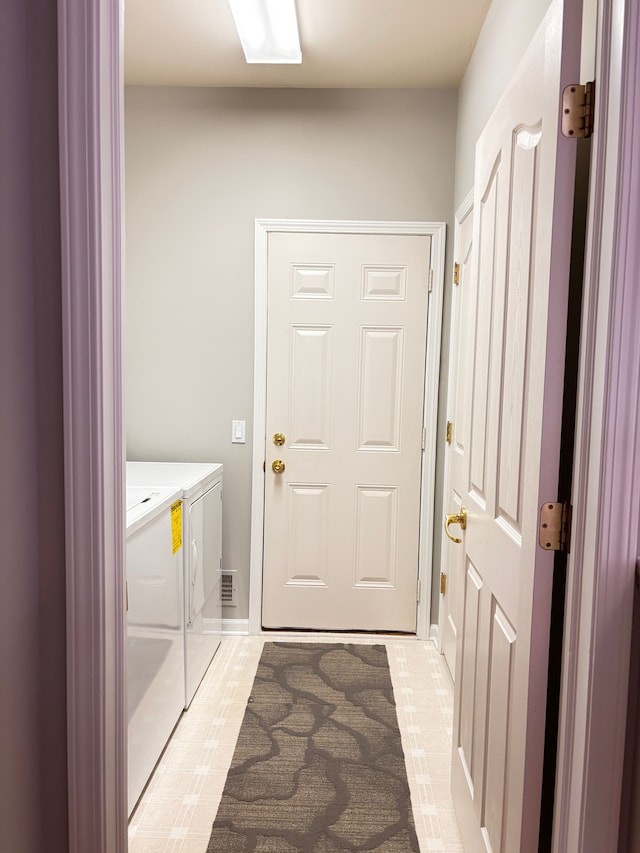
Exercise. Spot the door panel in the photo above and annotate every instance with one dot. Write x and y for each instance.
(522, 231)
(346, 346)
(379, 389)
(488, 254)
(311, 366)
(307, 510)
(376, 531)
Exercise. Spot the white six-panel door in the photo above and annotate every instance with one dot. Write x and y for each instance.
(522, 230)
(347, 320)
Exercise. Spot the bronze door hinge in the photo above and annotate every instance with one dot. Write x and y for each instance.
(555, 526)
(578, 105)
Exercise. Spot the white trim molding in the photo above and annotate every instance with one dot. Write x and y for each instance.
(235, 627)
(90, 109)
(601, 571)
(437, 232)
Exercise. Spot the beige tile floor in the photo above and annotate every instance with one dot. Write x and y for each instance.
(178, 807)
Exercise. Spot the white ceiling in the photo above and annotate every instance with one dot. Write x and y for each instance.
(345, 43)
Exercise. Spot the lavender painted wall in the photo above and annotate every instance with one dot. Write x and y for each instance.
(33, 799)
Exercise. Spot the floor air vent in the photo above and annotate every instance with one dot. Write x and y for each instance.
(228, 590)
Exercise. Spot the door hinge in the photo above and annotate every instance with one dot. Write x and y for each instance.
(443, 583)
(430, 280)
(555, 526)
(418, 590)
(578, 105)
(424, 437)
(449, 432)
(456, 273)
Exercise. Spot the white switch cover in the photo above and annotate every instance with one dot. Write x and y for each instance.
(238, 432)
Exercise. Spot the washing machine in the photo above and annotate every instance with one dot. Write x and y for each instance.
(155, 628)
(200, 484)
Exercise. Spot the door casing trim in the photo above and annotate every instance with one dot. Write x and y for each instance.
(91, 91)
(437, 232)
(601, 568)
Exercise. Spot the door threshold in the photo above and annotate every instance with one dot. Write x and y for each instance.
(320, 634)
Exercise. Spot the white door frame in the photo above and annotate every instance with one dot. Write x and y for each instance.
(606, 497)
(461, 213)
(90, 86)
(437, 232)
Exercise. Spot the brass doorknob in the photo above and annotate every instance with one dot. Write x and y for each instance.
(279, 439)
(456, 518)
(277, 466)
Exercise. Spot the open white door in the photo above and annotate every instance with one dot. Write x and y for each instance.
(458, 411)
(522, 229)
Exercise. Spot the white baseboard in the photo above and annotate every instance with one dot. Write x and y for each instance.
(434, 634)
(235, 626)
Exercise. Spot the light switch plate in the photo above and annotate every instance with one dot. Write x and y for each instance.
(238, 432)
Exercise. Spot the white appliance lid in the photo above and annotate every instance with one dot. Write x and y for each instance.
(146, 503)
(191, 477)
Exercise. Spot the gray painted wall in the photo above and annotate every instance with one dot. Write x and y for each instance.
(33, 778)
(201, 165)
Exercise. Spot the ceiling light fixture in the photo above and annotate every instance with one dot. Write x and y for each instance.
(268, 30)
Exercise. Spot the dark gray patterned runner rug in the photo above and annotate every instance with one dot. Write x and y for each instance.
(319, 766)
